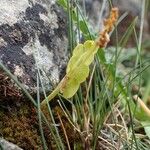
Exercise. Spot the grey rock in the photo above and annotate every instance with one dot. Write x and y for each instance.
(33, 36)
(131, 6)
(5, 145)
(97, 12)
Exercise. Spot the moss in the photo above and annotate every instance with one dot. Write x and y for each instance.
(20, 127)
(19, 122)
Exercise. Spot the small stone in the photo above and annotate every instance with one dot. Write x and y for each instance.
(5, 145)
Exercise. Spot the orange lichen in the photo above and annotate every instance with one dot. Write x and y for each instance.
(108, 26)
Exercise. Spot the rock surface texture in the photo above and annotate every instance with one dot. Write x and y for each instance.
(32, 37)
(97, 9)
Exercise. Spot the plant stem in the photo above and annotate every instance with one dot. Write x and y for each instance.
(54, 93)
(51, 96)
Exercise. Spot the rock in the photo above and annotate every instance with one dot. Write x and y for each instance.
(5, 145)
(94, 8)
(132, 7)
(33, 36)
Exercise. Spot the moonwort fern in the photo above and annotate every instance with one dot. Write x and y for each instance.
(83, 55)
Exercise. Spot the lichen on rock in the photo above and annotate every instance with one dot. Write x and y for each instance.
(33, 36)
